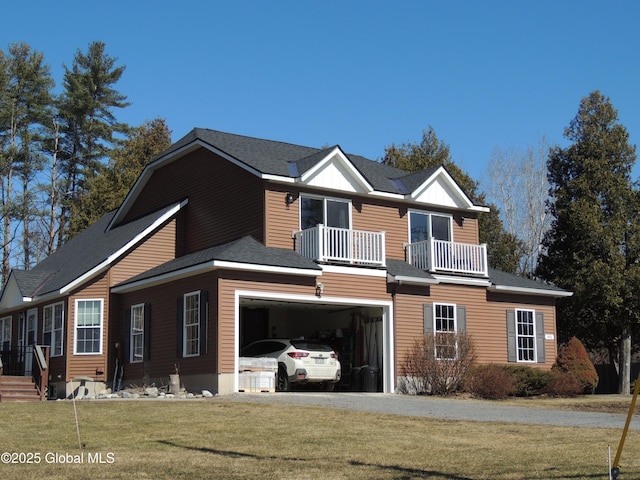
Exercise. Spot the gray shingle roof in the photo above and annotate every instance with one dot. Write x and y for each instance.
(82, 253)
(503, 279)
(244, 250)
(274, 158)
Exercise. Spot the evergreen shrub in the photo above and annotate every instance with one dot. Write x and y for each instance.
(574, 361)
(529, 381)
(491, 382)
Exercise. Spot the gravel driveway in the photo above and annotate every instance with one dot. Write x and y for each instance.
(433, 407)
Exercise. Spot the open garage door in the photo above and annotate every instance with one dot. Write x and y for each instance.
(359, 331)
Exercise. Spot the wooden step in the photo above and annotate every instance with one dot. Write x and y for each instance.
(18, 389)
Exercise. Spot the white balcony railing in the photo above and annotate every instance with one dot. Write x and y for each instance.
(442, 256)
(341, 245)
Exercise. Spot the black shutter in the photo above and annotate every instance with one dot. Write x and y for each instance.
(512, 353)
(146, 352)
(204, 324)
(540, 351)
(427, 316)
(180, 327)
(126, 347)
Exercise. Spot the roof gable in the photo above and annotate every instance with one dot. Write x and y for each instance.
(437, 187)
(334, 171)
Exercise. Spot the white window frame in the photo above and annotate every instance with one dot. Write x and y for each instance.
(137, 334)
(57, 334)
(324, 207)
(77, 327)
(191, 323)
(521, 349)
(5, 331)
(436, 332)
(430, 228)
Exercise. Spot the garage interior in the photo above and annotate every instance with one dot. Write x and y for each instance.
(354, 332)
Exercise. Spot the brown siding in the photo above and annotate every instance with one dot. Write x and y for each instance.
(486, 319)
(281, 219)
(154, 251)
(163, 357)
(88, 365)
(368, 214)
(225, 201)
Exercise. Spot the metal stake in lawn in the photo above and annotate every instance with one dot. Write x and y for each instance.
(615, 469)
(75, 414)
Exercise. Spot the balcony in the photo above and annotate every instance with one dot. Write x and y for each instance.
(439, 256)
(341, 245)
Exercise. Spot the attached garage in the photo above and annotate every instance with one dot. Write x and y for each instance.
(359, 330)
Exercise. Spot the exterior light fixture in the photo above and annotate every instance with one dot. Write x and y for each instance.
(290, 198)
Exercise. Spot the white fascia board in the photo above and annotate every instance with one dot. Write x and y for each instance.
(208, 266)
(402, 279)
(530, 291)
(362, 271)
(474, 282)
(251, 267)
(345, 162)
(116, 255)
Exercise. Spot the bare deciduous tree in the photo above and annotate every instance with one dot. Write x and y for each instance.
(518, 184)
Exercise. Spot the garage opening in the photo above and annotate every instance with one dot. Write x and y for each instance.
(357, 333)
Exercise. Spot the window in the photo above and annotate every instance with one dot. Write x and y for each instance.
(329, 212)
(444, 321)
(526, 335)
(445, 329)
(137, 333)
(191, 322)
(5, 334)
(52, 334)
(423, 226)
(88, 327)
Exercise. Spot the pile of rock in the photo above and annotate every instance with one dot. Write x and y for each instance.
(144, 392)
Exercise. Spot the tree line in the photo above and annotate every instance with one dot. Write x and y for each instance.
(560, 215)
(59, 150)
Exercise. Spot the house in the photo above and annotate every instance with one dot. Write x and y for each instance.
(225, 239)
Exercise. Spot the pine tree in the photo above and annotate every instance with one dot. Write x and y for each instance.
(592, 246)
(24, 109)
(88, 123)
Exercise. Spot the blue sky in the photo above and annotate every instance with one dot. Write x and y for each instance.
(361, 74)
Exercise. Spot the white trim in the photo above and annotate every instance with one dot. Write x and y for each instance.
(361, 271)
(336, 152)
(429, 213)
(53, 329)
(534, 336)
(75, 325)
(184, 323)
(212, 265)
(131, 349)
(116, 255)
(402, 279)
(471, 281)
(529, 291)
(388, 356)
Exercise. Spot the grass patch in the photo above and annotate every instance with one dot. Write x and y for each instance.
(229, 440)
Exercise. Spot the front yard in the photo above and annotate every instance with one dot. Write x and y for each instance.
(193, 439)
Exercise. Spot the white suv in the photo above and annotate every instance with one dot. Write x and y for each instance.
(299, 361)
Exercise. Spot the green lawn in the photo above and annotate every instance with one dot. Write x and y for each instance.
(196, 439)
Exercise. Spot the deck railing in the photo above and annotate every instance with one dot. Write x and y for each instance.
(341, 245)
(451, 257)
